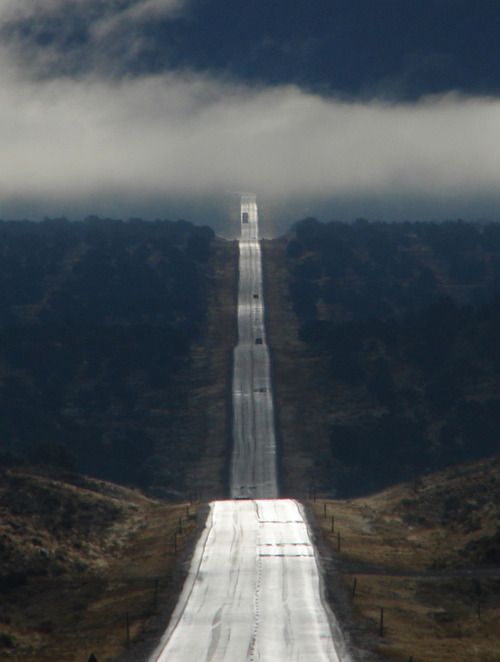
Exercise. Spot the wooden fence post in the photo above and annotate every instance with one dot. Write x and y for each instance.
(479, 591)
(155, 597)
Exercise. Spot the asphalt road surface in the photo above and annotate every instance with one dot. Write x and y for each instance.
(253, 466)
(254, 591)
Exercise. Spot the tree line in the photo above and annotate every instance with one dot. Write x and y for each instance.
(96, 320)
(406, 318)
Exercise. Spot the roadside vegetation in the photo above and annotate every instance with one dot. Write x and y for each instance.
(428, 554)
(79, 558)
(100, 322)
(393, 329)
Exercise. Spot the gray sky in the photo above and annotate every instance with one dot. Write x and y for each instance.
(177, 142)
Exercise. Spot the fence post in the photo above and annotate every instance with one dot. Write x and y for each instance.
(478, 594)
(381, 628)
(354, 586)
(127, 626)
(155, 598)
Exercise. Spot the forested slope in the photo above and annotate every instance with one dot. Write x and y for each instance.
(98, 320)
(393, 337)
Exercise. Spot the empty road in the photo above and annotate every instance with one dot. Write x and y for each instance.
(254, 590)
(253, 466)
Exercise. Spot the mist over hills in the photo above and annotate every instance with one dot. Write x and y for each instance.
(159, 107)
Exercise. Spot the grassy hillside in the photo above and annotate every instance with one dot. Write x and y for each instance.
(103, 330)
(385, 350)
(76, 556)
(428, 553)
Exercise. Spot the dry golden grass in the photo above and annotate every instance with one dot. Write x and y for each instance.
(79, 605)
(419, 573)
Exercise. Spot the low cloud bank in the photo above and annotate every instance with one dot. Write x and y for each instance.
(93, 141)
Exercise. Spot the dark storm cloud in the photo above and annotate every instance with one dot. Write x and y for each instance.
(56, 37)
(397, 49)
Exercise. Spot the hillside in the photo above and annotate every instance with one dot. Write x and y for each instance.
(76, 556)
(428, 552)
(385, 351)
(115, 341)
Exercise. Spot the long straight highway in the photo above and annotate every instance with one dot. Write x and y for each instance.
(254, 592)
(253, 466)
